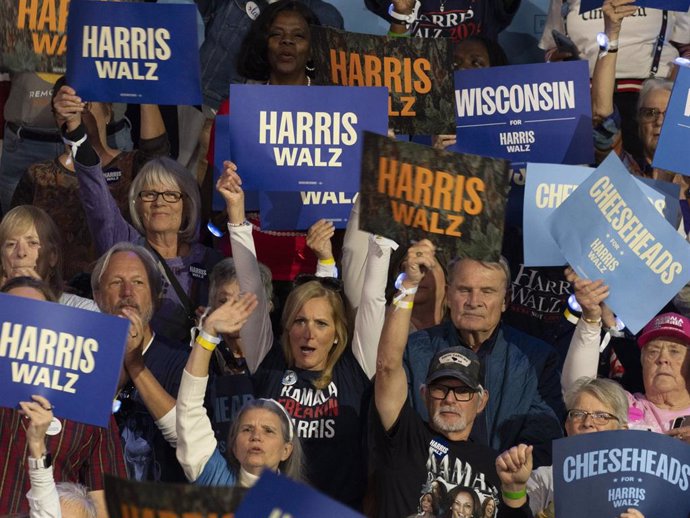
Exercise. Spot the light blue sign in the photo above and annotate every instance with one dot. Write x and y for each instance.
(548, 185)
(133, 52)
(535, 113)
(605, 473)
(303, 138)
(671, 150)
(607, 229)
(70, 356)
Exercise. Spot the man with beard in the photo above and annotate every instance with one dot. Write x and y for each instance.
(410, 455)
(127, 283)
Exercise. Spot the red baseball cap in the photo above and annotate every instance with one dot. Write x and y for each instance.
(670, 325)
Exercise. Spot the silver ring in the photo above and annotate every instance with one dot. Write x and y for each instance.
(419, 254)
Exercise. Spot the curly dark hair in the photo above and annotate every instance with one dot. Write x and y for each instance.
(253, 62)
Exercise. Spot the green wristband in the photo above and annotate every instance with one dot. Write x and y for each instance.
(399, 34)
(514, 495)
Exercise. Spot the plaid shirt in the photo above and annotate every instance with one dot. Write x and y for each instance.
(81, 453)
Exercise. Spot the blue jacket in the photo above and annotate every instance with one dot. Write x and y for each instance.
(521, 374)
(227, 24)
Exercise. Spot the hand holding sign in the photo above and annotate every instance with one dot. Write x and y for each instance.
(229, 185)
(420, 258)
(614, 12)
(68, 107)
(39, 412)
(589, 294)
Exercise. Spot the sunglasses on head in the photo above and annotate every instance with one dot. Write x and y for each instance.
(330, 283)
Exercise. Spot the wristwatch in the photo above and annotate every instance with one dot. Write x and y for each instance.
(44, 462)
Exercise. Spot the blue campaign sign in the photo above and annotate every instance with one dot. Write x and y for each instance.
(133, 52)
(221, 152)
(300, 210)
(506, 112)
(675, 133)
(669, 5)
(548, 185)
(276, 496)
(70, 356)
(605, 473)
(607, 229)
(299, 138)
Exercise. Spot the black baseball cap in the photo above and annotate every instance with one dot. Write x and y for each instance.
(456, 362)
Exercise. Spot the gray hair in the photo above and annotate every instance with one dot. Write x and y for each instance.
(78, 496)
(293, 467)
(166, 171)
(610, 393)
(502, 265)
(225, 271)
(651, 84)
(150, 264)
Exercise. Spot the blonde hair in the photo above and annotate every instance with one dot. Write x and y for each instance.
(298, 297)
(49, 264)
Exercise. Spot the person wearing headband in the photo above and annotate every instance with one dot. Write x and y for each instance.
(262, 435)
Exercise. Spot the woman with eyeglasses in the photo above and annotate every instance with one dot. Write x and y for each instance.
(594, 405)
(164, 206)
(311, 370)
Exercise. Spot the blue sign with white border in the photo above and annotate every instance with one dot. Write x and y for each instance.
(141, 53)
(607, 229)
(303, 138)
(506, 112)
(605, 473)
(668, 5)
(70, 356)
(300, 210)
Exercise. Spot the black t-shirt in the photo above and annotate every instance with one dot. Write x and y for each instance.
(411, 461)
(148, 456)
(329, 422)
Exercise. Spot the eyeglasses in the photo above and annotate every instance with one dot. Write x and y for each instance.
(650, 114)
(461, 393)
(598, 418)
(169, 196)
(330, 283)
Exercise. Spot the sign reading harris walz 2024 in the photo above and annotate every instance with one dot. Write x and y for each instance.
(133, 52)
(132, 499)
(675, 133)
(71, 356)
(603, 474)
(607, 229)
(416, 71)
(411, 192)
(33, 35)
(302, 138)
(526, 113)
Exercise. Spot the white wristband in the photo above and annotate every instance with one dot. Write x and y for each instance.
(74, 146)
(405, 19)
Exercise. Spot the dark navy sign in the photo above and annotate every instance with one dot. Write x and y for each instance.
(300, 138)
(276, 496)
(71, 356)
(133, 52)
(537, 113)
(605, 473)
(669, 5)
(671, 151)
(607, 229)
(300, 210)
(548, 185)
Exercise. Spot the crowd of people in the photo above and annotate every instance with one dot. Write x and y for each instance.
(410, 388)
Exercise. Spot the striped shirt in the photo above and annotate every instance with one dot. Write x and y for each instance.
(81, 453)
